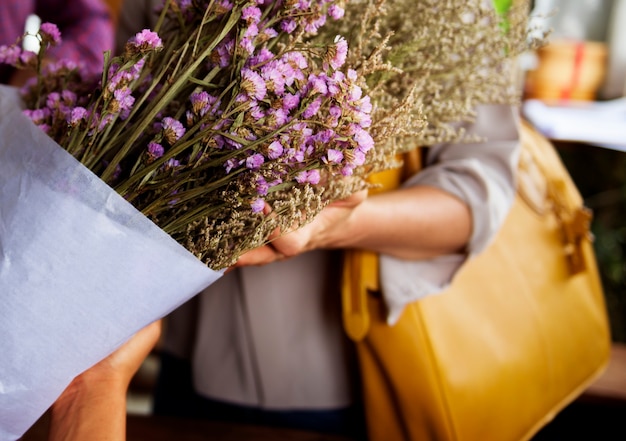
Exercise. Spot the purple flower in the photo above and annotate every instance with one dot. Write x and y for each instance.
(255, 161)
(364, 104)
(117, 172)
(297, 60)
(253, 84)
(290, 101)
(247, 44)
(145, 41)
(61, 65)
(155, 150)
(53, 100)
(28, 58)
(362, 119)
(50, 33)
(257, 112)
(223, 6)
(355, 92)
(263, 55)
(105, 121)
(312, 108)
(275, 149)
(261, 186)
(335, 12)
(200, 102)
(10, 54)
(251, 14)
(231, 164)
(268, 33)
(338, 53)
(274, 78)
(38, 116)
(313, 25)
(257, 205)
(364, 140)
(358, 157)
(325, 136)
(124, 99)
(317, 84)
(173, 129)
(224, 52)
(288, 25)
(171, 163)
(334, 113)
(334, 156)
(308, 176)
(77, 115)
(347, 170)
(277, 117)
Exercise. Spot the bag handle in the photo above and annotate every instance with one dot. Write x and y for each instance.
(360, 267)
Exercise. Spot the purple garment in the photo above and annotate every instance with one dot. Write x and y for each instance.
(86, 28)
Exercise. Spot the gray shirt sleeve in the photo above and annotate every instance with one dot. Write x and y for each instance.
(481, 174)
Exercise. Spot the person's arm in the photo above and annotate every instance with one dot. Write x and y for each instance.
(93, 406)
(411, 223)
(456, 204)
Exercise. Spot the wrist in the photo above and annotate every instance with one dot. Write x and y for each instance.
(86, 407)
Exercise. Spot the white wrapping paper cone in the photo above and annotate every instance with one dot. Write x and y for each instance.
(81, 270)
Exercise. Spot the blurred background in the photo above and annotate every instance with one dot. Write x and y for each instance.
(574, 92)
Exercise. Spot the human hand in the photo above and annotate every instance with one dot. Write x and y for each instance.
(93, 406)
(121, 365)
(324, 231)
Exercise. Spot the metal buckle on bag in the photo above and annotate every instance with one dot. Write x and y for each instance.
(575, 230)
(575, 227)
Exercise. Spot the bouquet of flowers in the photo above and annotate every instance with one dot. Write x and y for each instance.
(230, 120)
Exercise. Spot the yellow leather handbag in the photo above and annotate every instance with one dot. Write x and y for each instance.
(521, 332)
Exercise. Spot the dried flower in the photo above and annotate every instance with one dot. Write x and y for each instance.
(50, 34)
(230, 107)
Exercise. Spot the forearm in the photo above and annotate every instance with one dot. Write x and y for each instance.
(412, 223)
(96, 412)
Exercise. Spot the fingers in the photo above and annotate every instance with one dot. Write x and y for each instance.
(351, 201)
(259, 256)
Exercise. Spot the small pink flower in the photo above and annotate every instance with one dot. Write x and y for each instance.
(10, 54)
(253, 84)
(77, 115)
(335, 12)
(257, 205)
(339, 53)
(173, 129)
(275, 149)
(334, 156)
(308, 176)
(155, 150)
(145, 41)
(50, 34)
(255, 161)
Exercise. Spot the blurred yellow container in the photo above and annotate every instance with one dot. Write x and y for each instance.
(567, 70)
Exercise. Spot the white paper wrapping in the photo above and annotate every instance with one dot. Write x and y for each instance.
(81, 270)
